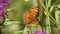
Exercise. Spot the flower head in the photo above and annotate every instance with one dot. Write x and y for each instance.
(8, 1)
(39, 32)
(2, 5)
(1, 0)
(2, 11)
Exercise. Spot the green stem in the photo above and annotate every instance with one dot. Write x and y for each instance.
(49, 3)
(42, 4)
(48, 14)
(48, 28)
(46, 3)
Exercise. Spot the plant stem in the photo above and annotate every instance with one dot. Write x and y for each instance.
(48, 14)
(48, 28)
(49, 3)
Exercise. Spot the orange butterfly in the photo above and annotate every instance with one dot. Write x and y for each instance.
(27, 17)
(30, 17)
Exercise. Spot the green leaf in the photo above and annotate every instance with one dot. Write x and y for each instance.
(57, 16)
(11, 22)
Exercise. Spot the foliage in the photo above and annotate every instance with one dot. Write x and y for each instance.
(49, 15)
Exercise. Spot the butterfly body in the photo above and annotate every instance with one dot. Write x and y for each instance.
(31, 16)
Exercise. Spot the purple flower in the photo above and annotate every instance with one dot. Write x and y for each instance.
(2, 11)
(39, 32)
(8, 1)
(2, 5)
(1, 0)
(2, 18)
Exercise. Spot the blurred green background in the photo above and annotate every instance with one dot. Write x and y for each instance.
(19, 7)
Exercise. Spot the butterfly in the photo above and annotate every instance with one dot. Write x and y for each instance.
(31, 16)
